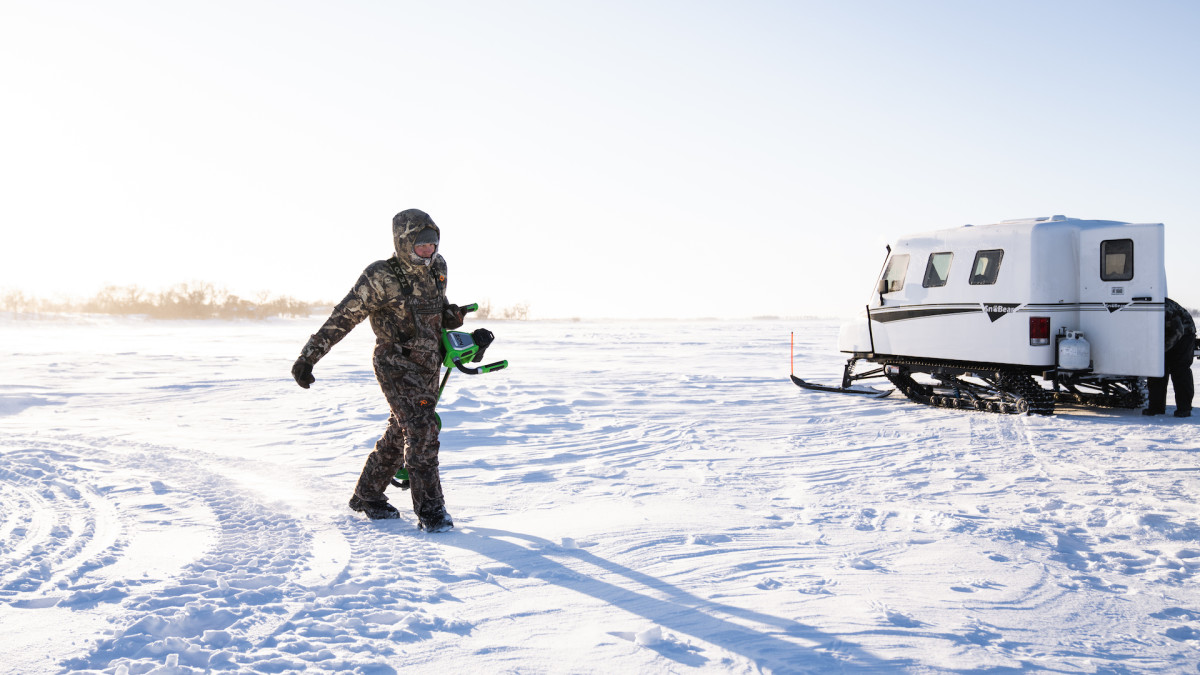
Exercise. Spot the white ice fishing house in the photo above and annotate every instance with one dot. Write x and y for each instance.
(1002, 293)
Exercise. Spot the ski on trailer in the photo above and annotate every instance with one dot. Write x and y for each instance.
(840, 390)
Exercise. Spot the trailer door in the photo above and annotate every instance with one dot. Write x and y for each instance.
(1122, 284)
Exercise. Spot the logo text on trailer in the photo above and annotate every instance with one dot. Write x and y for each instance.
(996, 310)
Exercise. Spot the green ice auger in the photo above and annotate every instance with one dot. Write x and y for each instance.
(459, 348)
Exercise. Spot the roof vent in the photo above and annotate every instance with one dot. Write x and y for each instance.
(1057, 218)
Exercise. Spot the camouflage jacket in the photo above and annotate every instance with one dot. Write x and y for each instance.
(404, 297)
(1180, 325)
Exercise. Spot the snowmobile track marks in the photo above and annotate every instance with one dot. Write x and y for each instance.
(55, 528)
(236, 577)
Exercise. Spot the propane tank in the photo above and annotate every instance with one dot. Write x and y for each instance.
(1074, 352)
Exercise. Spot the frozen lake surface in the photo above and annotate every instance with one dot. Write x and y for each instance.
(629, 497)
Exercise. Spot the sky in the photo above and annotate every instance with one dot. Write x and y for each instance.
(625, 159)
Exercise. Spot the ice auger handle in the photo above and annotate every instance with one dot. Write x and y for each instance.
(473, 307)
(499, 365)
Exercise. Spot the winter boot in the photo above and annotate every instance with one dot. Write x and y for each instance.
(1183, 412)
(376, 510)
(436, 521)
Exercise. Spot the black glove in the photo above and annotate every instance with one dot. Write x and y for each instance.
(453, 317)
(302, 371)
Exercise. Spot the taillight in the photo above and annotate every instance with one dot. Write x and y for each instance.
(1039, 330)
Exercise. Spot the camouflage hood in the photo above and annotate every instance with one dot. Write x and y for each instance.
(406, 226)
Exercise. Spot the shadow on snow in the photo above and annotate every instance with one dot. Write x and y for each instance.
(779, 647)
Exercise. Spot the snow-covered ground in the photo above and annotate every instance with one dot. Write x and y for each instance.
(630, 497)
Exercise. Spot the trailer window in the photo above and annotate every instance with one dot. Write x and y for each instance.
(937, 270)
(986, 267)
(1116, 260)
(897, 267)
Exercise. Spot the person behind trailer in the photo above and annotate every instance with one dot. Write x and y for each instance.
(405, 299)
(1177, 363)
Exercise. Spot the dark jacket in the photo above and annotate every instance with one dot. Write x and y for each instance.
(404, 297)
(1180, 325)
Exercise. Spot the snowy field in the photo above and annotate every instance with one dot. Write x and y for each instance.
(630, 498)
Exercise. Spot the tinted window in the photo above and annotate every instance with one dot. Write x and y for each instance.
(937, 270)
(986, 267)
(1116, 260)
(897, 267)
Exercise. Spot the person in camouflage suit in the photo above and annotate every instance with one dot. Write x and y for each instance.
(1177, 363)
(405, 299)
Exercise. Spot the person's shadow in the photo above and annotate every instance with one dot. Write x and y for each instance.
(780, 645)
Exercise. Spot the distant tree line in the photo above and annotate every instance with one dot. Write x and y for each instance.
(197, 300)
(519, 311)
(182, 301)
